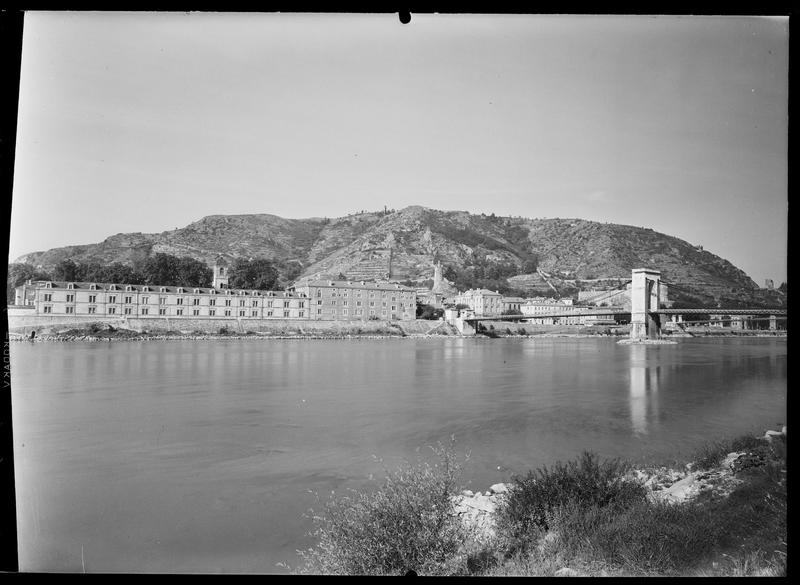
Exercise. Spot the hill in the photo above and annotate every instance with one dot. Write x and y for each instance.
(532, 256)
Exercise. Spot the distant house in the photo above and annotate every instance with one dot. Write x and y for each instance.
(484, 302)
(512, 304)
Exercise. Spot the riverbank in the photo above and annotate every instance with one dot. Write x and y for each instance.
(107, 332)
(722, 514)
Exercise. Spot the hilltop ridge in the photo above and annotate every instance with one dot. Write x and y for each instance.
(531, 255)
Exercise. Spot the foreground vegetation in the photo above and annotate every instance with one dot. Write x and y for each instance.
(583, 517)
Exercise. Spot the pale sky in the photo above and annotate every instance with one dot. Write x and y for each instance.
(143, 122)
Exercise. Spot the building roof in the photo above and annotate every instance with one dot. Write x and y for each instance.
(157, 288)
(481, 291)
(362, 284)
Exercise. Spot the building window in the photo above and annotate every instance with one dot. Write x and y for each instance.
(48, 309)
(92, 298)
(241, 313)
(301, 313)
(70, 309)
(301, 304)
(286, 313)
(70, 298)
(48, 297)
(372, 303)
(127, 310)
(254, 313)
(179, 312)
(269, 313)
(319, 302)
(128, 300)
(212, 312)
(195, 311)
(394, 307)
(180, 301)
(212, 302)
(227, 312)
(162, 300)
(195, 302)
(162, 311)
(92, 310)
(145, 300)
(227, 303)
(112, 299)
(254, 303)
(319, 311)
(145, 310)
(344, 311)
(112, 310)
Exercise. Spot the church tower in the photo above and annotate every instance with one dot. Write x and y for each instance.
(220, 273)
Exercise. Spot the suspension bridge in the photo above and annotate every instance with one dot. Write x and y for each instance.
(647, 315)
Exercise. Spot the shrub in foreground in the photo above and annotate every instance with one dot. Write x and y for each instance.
(645, 538)
(712, 454)
(408, 523)
(585, 483)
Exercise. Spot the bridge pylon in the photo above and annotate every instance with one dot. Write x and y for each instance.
(645, 296)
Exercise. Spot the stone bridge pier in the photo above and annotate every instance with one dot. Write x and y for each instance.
(645, 295)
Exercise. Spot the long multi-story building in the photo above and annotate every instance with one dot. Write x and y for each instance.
(358, 300)
(550, 311)
(309, 300)
(134, 300)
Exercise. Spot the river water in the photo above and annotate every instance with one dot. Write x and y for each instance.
(203, 456)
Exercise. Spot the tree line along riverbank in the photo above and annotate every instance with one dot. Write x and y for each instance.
(722, 514)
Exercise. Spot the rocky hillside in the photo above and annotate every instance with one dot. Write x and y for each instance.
(537, 255)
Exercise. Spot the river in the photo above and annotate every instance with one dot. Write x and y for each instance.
(203, 456)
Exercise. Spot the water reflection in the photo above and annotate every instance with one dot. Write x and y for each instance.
(644, 383)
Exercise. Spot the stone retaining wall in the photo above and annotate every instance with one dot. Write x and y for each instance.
(46, 325)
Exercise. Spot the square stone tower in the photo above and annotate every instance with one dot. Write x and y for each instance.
(645, 294)
(220, 273)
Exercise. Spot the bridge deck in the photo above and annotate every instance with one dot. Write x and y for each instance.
(606, 312)
(776, 312)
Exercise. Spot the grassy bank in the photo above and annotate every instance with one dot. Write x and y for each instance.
(724, 514)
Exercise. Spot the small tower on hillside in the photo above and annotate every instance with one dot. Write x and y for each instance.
(220, 273)
(437, 276)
